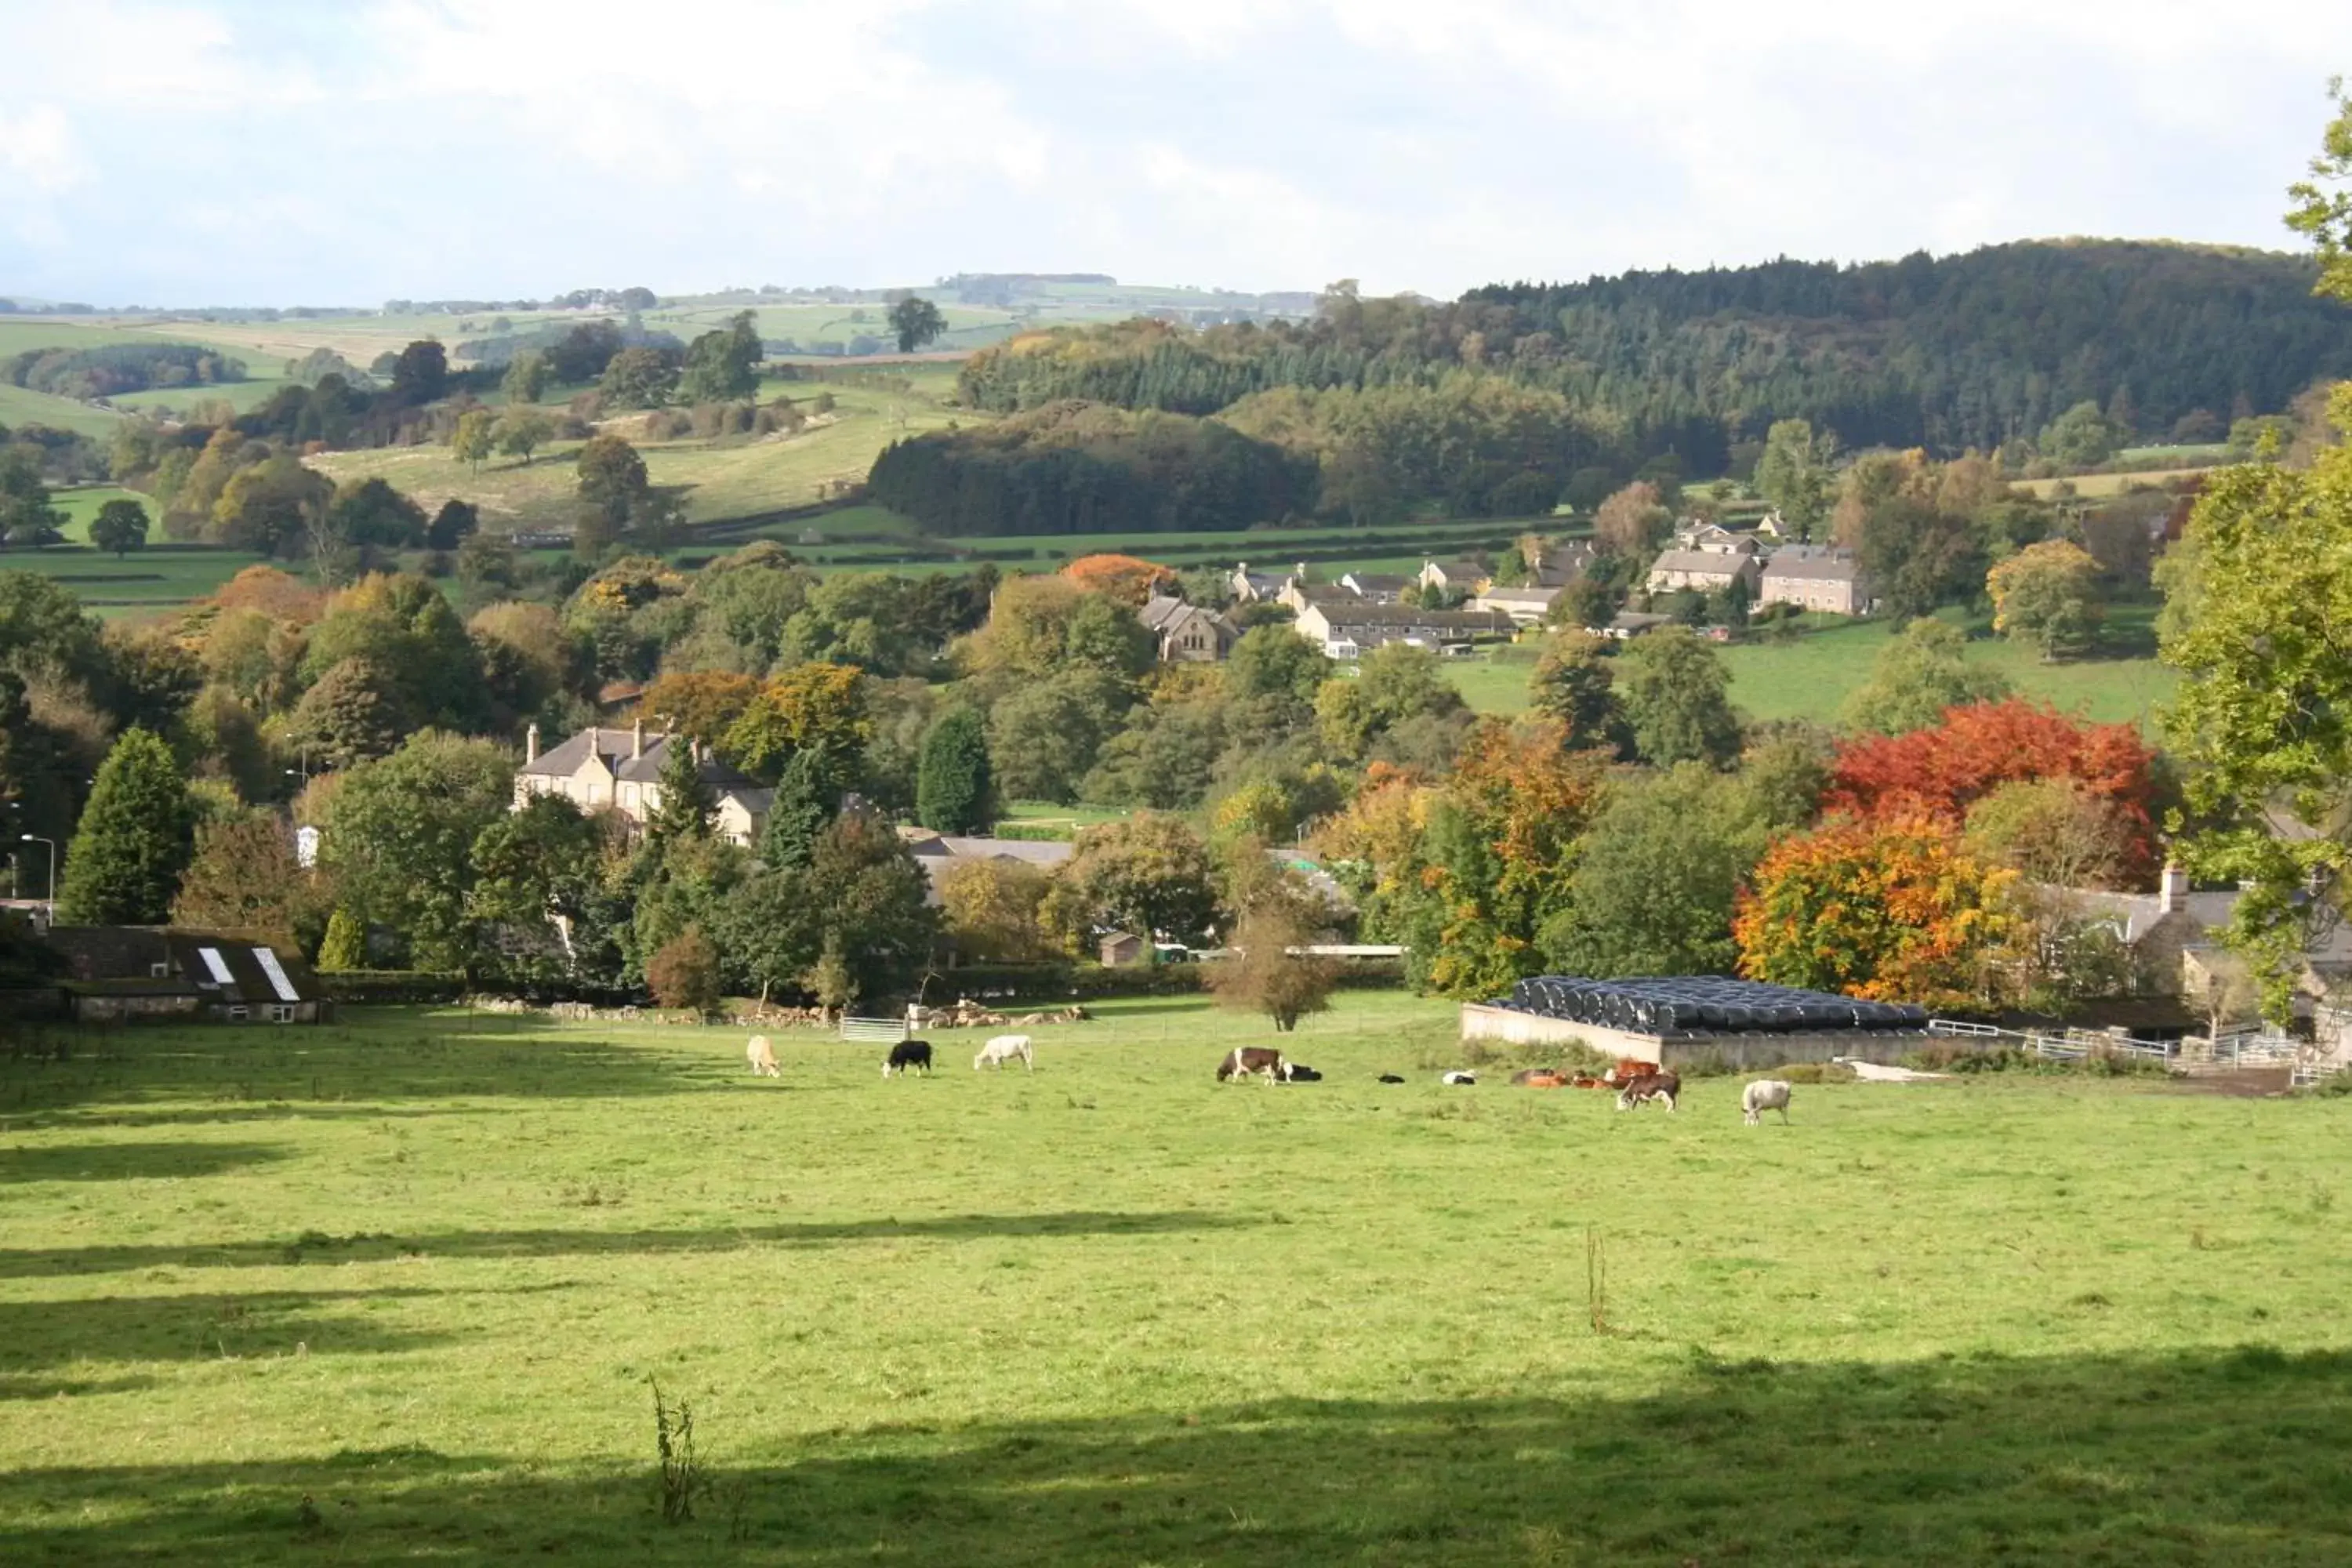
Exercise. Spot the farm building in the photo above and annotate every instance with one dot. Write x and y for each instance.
(936, 852)
(122, 972)
(1682, 1021)
(1525, 606)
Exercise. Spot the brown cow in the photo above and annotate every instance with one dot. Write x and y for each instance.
(1662, 1085)
(1244, 1061)
(1539, 1077)
(1629, 1069)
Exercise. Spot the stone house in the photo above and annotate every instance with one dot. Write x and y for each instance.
(122, 972)
(1454, 576)
(1525, 606)
(620, 770)
(1703, 571)
(1188, 633)
(1350, 631)
(1376, 587)
(1816, 577)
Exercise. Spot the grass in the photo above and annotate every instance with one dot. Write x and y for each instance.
(397, 1288)
(81, 505)
(157, 578)
(19, 406)
(2099, 486)
(1809, 675)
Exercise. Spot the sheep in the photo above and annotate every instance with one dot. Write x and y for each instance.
(1765, 1094)
(1003, 1049)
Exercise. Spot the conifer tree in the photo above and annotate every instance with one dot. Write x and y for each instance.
(804, 802)
(345, 946)
(134, 839)
(953, 785)
(687, 804)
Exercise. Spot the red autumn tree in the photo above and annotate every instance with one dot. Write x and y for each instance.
(1940, 772)
(1130, 579)
(1895, 911)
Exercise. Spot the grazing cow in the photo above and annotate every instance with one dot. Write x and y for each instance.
(1659, 1086)
(908, 1055)
(1765, 1094)
(1301, 1074)
(1539, 1077)
(763, 1057)
(1244, 1061)
(1392, 1078)
(1004, 1048)
(1459, 1077)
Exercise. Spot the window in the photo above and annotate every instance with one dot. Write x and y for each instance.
(278, 1013)
(160, 970)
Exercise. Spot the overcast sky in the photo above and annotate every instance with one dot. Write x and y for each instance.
(281, 152)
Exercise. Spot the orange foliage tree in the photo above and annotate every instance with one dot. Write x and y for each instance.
(1893, 910)
(704, 704)
(275, 593)
(1941, 772)
(1127, 578)
(818, 705)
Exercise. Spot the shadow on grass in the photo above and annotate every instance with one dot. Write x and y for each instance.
(35, 1336)
(128, 1161)
(2228, 1458)
(29, 1262)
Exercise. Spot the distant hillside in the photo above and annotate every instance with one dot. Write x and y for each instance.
(1950, 353)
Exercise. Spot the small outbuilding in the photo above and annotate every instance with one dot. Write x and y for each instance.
(1122, 948)
(118, 974)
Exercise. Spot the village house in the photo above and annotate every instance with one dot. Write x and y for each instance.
(1249, 587)
(1376, 587)
(1703, 571)
(116, 974)
(937, 852)
(1692, 533)
(1347, 632)
(1525, 606)
(1816, 577)
(1454, 576)
(620, 770)
(1298, 592)
(1564, 563)
(2173, 936)
(1188, 633)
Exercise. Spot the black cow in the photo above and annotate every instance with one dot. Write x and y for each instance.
(1392, 1078)
(908, 1055)
(1303, 1074)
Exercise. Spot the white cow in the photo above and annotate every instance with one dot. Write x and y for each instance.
(763, 1057)
(1003, 1049)
(1765, 1094)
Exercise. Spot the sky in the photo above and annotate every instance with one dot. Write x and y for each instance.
(282, 152)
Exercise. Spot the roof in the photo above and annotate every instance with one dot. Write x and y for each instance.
(1458, 568)
(219, 964)
(1699, 562)
(612, 748)
(1814, 563)
(1358, 613)
(1540, 596)
(1379, 581)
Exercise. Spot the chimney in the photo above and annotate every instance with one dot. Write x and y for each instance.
(2171, 889)
(530, 742)
(636, 738)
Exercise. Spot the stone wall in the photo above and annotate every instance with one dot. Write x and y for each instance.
(1738, 1052)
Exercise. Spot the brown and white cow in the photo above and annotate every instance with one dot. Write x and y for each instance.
(1244, 1061)
(1658, 1086)
(1539, 1077)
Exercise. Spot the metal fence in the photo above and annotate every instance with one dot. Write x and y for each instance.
(873, 1031)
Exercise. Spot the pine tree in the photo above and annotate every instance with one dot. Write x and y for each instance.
(687, 804)
(804, 802)
(134, 840)
(953, 785)
(345, 946)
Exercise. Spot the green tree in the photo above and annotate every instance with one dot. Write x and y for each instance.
(526, 379)
(638, 378)
(1150, 874)
(954, 788)
(1657, 877)
(134, 839)
(685, 804)
(1276, 661)
(1793, 474)
(535, 872)
(2262, 724)
(1676, 698)
(474, 438)
(612, 478)
(723, 365)
(421, 373)
(2048, 595)
(344, 947)
(244, 877)
(370, 511)
(522, 431)
(1918, 556)
(1394, 684)
(1920, 673)
(917, 321)
(2325, 214)
(1043, 737)
(1575, 682)
(806, 800)
(684, 976)
(451, 526)
(873, 904)
(273, 507)
(121, 526)
(399, 835)
(2081, 437)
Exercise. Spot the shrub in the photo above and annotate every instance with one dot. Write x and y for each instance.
(685, 973)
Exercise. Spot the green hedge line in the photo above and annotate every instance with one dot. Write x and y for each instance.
(390, 987)
(1090, 981)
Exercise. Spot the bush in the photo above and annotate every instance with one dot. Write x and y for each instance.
(684, 974)
(390, 987)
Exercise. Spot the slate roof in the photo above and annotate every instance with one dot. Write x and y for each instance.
(613, 747)
(1699, 562)
(1359, 613)
(121, 959)
(1813, 562)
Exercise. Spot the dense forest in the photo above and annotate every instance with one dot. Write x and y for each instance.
(112, 368)
(1976, 349)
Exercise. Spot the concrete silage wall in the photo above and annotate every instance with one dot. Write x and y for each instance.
(1734, 1052)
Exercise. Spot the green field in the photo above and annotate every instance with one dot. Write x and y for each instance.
(157, 578)
(1809, 675)
(18, 407)
(398, 1290)
(81, 503)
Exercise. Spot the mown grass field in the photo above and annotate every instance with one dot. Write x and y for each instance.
(156, 578)
(399, 1288)
(1810, 675)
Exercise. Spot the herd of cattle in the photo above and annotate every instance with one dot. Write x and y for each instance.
(1636, 1082)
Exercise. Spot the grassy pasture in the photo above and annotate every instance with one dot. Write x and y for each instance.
(2099, 486)
(395, 1289)
(19, 406)
(1809, 675)
(156, 578)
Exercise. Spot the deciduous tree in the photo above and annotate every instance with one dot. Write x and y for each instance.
(612, 478)
(1675, 694)
(121, 526)
(399, 836)
(1918, 675)
(244, 877)
(2048, 595)
(134, 838)
(1148, 874)
(916, 322)
(474, 438)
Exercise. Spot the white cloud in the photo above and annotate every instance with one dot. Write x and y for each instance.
(516, 146)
